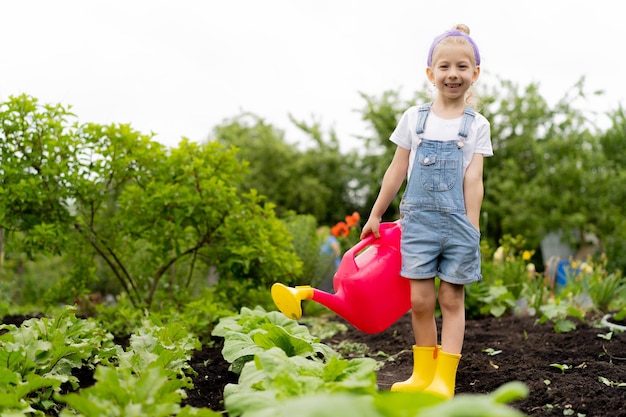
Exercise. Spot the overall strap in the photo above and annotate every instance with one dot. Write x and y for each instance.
(422, 114)
(468, 119)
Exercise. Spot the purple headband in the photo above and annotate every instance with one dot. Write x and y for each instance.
(453, 32)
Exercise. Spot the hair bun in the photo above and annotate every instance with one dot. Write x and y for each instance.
(462, 28)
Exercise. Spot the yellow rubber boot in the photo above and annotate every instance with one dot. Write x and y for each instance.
(424, 366)
(444, 381)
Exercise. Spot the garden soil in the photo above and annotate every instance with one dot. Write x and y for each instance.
(528, 351)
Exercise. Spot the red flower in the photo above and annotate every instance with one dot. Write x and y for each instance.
(343, 228)
(340, 229)
(353, 220)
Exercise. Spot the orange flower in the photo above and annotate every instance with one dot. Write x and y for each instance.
(340, 228)
(353, 220)
(343, 228)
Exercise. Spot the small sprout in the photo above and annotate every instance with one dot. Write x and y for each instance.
(547, 381)
(610, 383)
(491, 351)
(606, 336)
(563, 368)
(525, 335)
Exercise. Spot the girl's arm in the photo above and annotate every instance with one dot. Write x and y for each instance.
(392, 181)
(473, 189)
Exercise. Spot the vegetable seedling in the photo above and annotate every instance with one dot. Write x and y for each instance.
(491, 351)
(562, 367)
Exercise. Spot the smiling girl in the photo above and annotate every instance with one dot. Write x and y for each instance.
(440, 150)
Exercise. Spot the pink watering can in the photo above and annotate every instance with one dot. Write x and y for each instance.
(369, 291)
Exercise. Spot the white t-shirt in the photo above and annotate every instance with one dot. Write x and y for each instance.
(478, 139)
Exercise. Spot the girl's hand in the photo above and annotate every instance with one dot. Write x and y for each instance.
(372, 226)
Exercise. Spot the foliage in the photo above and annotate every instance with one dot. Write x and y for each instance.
(198, 316)
(126, 214)
(307, 245)
(273, 375)
(511, 285)
(508, 278)
(382, 115)
(254, 331)
(120, 392)
(146, 379)
(124, 208)
(39, 356)
(590, 282)
(316, 180)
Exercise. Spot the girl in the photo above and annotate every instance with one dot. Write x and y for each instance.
(440, 151)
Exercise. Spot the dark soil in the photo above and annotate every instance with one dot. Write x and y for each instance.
(528, 350)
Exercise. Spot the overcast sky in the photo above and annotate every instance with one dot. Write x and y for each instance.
(179, 68)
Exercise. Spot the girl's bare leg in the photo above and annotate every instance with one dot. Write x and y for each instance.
(452, 304)
(423, 300)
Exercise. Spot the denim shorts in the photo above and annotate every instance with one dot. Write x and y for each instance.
(439, 244)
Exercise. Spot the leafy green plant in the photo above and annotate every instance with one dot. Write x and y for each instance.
(497, 300)
(39, 356)
(274, 376)
(558, 312)
(254, 331)
(509, 282)
(169, 345)
(119, 391)
(394, 404)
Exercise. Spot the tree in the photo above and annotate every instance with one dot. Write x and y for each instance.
(316, 180)
(112, 195)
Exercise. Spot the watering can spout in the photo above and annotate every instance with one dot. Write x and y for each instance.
(288, 299)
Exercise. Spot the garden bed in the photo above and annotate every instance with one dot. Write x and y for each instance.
(586, 383)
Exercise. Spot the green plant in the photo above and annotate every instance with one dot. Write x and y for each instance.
(274, 376)
(120, 392)
(39, 356)
(120, 319)
(147, 378)
(561, 367)
(254, 331)
(491, 351)
(606, 290)
(558, 311)
(126, 208)
(610, 383)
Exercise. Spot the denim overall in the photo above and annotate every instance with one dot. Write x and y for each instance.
(437, 237)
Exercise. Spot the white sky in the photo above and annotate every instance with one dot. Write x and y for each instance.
(179, 68)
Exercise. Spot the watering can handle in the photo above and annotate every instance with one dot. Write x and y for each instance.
(369, 239)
